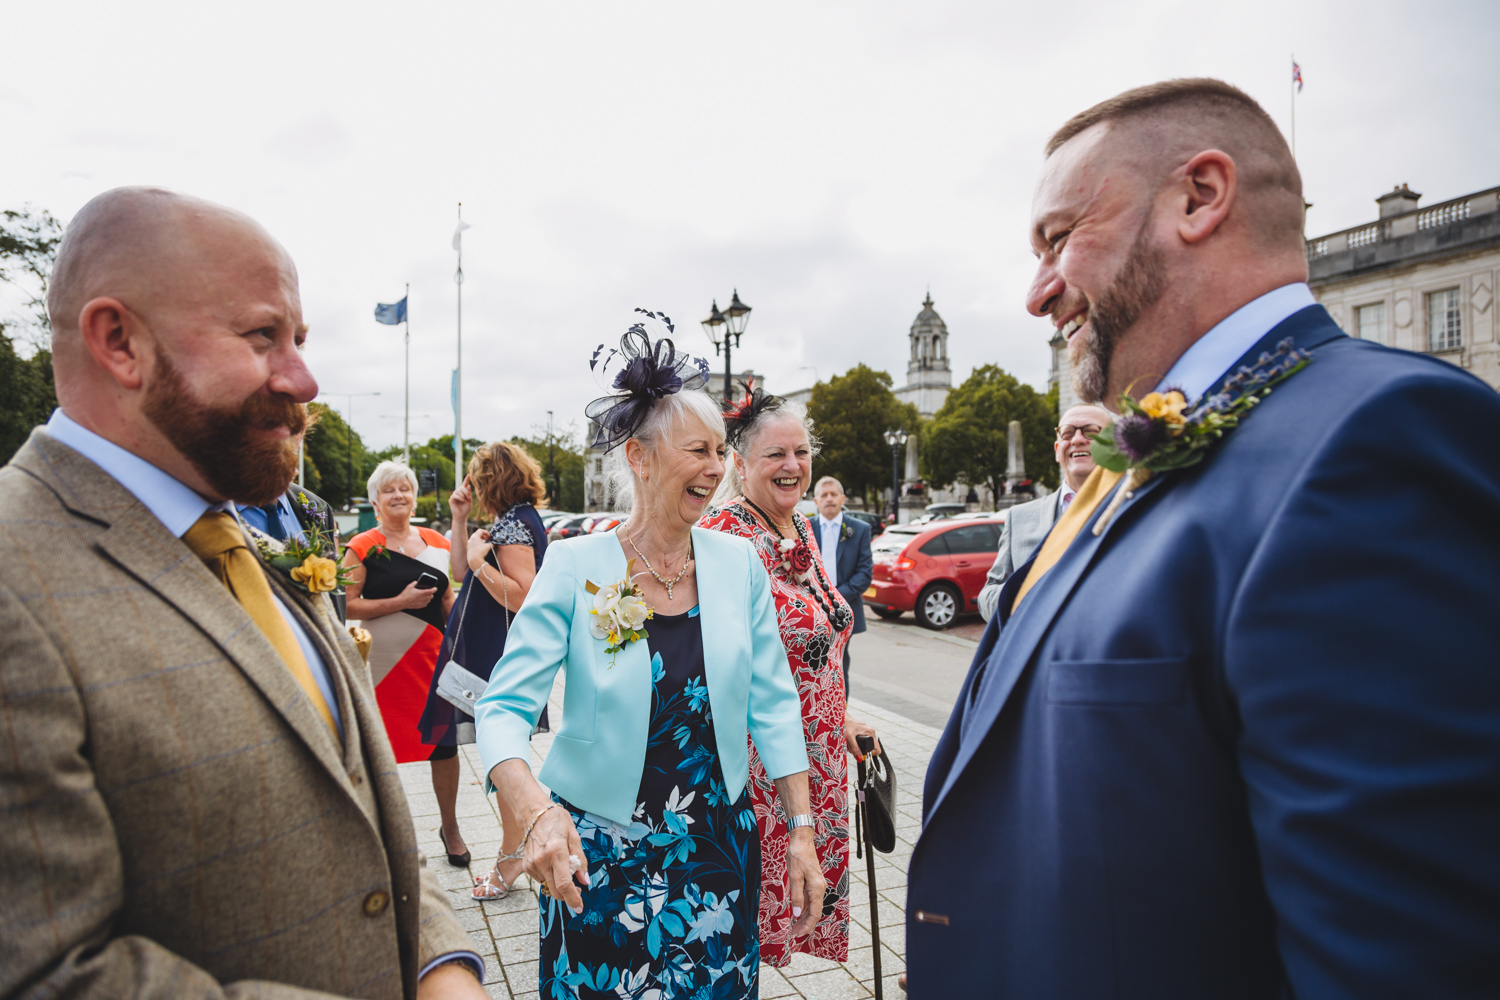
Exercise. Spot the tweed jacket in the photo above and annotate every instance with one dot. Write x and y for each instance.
(1025, 526)
(178, 820)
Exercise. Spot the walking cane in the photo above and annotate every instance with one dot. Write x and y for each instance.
(866, 746)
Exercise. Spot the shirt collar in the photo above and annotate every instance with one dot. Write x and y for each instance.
(175, 504)
(1202, 364)
(829, 524)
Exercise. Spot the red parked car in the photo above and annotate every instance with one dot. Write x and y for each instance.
(935, 570)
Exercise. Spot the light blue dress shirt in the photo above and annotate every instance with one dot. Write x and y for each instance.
(178, 507)
(1201, 365)
(256, 518)
(828, 542)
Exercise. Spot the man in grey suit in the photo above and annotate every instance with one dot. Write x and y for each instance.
(1028, 523)
(200, 799)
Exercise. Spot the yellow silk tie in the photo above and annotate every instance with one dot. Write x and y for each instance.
(217, 540)
(1096, 488)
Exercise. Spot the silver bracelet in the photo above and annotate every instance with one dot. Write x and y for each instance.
(799, 820)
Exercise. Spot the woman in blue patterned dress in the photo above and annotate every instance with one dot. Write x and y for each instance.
(506, 483)
(647, 850)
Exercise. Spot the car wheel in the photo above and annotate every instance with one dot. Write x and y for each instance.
(937, 607)
(889, 614)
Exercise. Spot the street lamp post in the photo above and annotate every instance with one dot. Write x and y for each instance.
(897, 440)
(349, 435)
(726, 327)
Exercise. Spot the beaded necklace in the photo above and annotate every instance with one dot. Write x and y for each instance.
(840, 615)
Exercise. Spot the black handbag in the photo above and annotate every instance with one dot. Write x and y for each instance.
(877, 798)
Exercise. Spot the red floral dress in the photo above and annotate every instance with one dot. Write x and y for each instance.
(815, 627)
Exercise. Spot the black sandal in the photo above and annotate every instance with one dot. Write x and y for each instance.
(456, 860)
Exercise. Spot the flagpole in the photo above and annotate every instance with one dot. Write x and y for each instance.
(1294, 106)
(406, 415)
(458, 387)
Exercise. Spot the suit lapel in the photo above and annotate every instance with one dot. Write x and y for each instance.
(142, 546)
(1023, 632)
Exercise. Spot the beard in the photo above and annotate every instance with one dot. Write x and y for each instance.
(1137, 287)
(223, 442)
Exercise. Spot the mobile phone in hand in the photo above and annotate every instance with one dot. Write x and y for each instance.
(428, 581)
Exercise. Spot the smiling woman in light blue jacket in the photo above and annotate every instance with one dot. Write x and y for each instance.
(648, 837)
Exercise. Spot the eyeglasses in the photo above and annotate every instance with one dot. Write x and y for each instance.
(1066, 431)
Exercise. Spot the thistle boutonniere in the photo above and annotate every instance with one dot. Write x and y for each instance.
(620, 613)
(1158, 432)
(303, 562)
(308, 507)
(846, 532)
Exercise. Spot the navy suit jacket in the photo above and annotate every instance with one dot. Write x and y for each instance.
(856, 564)
(1246, 743)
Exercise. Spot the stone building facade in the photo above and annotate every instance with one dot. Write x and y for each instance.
(1421, 279)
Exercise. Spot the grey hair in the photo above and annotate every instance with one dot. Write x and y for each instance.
(388, 472)
(827, 479)
(668, 415)
(731, 487)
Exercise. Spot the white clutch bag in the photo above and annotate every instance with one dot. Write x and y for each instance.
(460, 688)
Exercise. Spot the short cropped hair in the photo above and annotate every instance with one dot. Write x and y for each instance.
(827, 479)
(1194, 114)
(502, 475)
(388, 472)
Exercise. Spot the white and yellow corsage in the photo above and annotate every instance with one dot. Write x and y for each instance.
(619, 613)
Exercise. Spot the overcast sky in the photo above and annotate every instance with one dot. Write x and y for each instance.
(832, 161)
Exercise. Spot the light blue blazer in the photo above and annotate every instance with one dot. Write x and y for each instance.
(599, 752)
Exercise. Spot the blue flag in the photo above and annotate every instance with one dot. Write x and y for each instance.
(391, 314)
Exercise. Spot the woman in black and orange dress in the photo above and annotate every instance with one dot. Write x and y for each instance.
(398, 590)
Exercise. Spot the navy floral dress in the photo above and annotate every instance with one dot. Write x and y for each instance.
(670, 910)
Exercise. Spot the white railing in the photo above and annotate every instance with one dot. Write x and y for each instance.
(1441, 215)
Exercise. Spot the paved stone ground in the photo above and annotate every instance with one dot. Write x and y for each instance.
(504, 932)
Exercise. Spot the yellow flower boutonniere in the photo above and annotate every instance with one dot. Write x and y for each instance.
(317, 574)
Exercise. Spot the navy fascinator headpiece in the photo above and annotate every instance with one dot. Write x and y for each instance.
(644, 370)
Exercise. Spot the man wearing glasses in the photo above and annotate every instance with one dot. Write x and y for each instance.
(1028, 523)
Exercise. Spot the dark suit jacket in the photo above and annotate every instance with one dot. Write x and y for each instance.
(319, 517)
(1246, 743)
(856, 565)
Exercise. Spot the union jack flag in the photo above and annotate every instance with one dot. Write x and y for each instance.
(1297, 75)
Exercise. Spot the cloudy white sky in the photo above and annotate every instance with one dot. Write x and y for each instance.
(831, 160)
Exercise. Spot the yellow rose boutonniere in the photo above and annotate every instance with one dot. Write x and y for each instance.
(317, 574)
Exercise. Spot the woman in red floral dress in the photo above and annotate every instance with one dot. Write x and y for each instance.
(772, 470)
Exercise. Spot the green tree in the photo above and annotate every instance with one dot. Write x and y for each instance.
(968, 440)
(335, 458)
(28, 248)
(567, 454)
(26, 387)
(850, 413)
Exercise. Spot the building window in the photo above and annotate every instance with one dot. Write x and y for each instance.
(598, 466)
(1444, 321)
(1369, 323)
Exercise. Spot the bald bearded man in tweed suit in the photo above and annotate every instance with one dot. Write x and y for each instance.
(199, 796)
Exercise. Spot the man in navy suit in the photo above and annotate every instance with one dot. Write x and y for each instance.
(1244, 741)
(845, 546)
